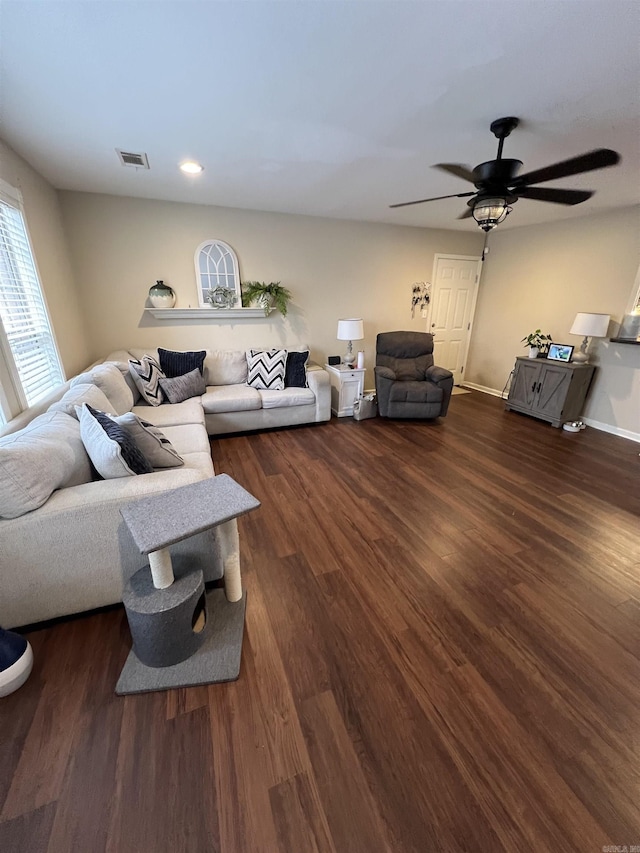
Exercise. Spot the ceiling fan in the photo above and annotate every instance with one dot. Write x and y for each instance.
(498, 185)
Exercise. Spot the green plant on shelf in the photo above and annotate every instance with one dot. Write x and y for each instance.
(266, 296)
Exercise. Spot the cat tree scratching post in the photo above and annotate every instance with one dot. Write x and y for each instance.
(182, 636)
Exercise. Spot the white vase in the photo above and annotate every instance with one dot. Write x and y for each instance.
(533, 352)
(264, 301)
(162, 296)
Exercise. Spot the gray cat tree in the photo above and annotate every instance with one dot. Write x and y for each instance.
(183, 636)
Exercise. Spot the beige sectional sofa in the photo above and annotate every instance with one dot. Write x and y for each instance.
(231, 406)
(72, 552)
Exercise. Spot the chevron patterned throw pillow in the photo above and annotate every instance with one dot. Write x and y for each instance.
(266, 369)
(146, 373)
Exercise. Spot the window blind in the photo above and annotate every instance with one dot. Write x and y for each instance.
(23, 311)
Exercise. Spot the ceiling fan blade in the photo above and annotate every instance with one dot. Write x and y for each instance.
(598, 159)
(456, 169)
(556, 196)
(468, 213)
(437, 198)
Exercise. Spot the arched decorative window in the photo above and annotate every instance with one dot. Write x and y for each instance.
(217, 267)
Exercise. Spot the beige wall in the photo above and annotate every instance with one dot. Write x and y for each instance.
(44, 222)
(96, 280)
(334, 268)
(540, 277)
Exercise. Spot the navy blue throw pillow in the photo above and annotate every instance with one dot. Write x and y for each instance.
(131, 453)
(178, 363)
(295, 375)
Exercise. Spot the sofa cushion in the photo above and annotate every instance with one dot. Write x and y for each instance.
(123, 367)
(295, 374)
(287, 397)
(146, 373)
(230, 398)
(178, 363)
(177, 389)
(111, 382)
(79, 394)
(110, 447)
(47, 454)
(153, 443)
(188, 438)
(225, 367)
(189, 412)
(265, 369)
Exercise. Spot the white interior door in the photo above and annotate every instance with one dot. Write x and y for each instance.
(455, 287)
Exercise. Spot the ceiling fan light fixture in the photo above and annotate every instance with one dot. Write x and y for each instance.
(190, 167)
(489, 212)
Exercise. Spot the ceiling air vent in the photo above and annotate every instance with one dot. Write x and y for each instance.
(127, 158)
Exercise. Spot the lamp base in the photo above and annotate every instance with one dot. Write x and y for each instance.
(349, 357)
(581, 356)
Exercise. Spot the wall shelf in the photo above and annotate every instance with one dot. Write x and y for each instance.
(222, 314)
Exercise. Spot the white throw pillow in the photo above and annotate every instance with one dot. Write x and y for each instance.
(151, 441)
(111, 382)
(266, 368)
(110, 447)
(46, 455)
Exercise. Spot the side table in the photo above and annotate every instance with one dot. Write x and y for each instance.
(347, 385)
(182, 636)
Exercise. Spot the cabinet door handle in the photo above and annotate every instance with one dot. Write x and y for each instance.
(533, 388)
(539, 386)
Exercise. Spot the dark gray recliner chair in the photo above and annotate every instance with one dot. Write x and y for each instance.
(408, 384)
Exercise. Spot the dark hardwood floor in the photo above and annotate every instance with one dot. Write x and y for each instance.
(441, 654)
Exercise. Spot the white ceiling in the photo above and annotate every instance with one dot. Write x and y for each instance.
(317, 107)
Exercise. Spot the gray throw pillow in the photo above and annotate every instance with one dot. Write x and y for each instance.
(151, 441)
(181, 388)
(110, 447)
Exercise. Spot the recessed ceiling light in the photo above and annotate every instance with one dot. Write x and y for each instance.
(191, 168)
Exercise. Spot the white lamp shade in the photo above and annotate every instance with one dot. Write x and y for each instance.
(350, 330)
(590, 325)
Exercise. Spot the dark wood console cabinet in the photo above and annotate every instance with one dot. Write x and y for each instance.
(550, 390)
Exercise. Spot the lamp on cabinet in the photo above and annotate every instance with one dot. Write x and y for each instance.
(591, 326)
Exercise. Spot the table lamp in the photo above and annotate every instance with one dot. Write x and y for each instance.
(350, 330)
(591, 326)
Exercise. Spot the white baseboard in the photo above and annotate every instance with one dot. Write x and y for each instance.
(614, 430)
(483, 388)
